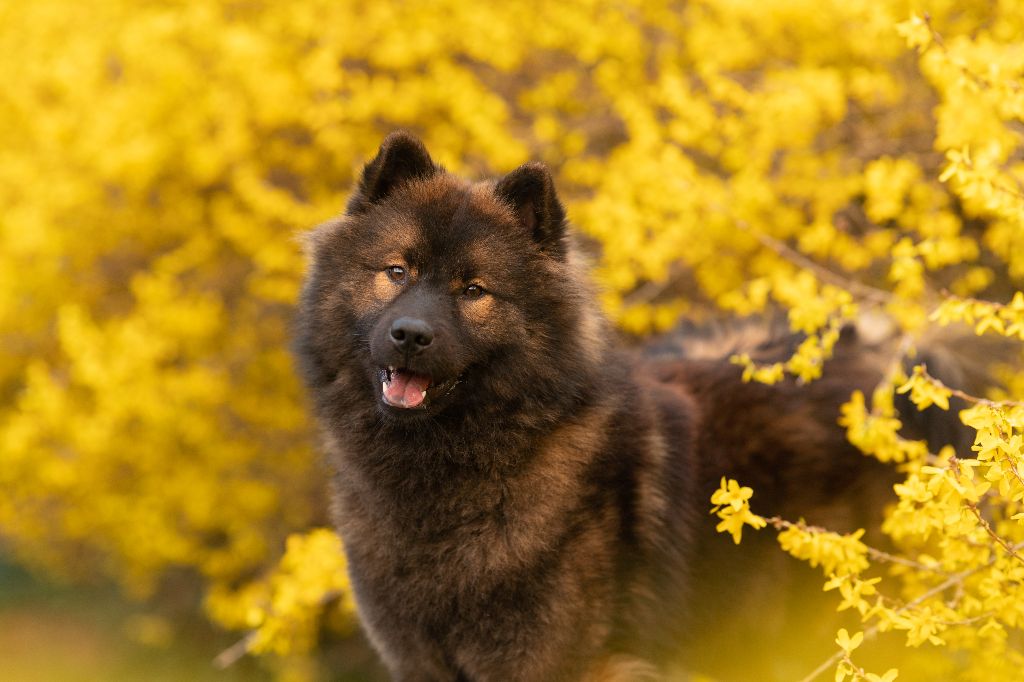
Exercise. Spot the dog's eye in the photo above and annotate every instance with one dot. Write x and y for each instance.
(473, 291)
(396, 273)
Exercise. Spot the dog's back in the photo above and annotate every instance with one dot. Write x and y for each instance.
(520, 499)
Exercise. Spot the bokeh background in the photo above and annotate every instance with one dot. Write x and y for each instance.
(161, 497)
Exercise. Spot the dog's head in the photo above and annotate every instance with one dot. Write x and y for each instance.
(432, 293)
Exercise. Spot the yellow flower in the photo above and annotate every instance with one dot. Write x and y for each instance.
(848, 643)
(733, 522)
(916, 32)
(731, 494)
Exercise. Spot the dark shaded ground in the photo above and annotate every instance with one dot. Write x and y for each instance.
(55, 633)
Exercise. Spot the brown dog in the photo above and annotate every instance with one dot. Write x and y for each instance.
(519, 498)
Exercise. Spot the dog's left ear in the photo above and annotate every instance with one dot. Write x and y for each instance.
(401, 158)
(530, 191)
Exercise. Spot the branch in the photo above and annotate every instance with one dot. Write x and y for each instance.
(233, 653)
(865, 291)
(992, 534)
(778, 523)
(230, 656)
(967, 396)
(938, 589)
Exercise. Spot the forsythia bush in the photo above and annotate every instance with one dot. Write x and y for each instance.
(958, 581)
(829, 158)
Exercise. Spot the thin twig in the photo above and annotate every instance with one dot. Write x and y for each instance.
(953, 464)
(651, 289)
(230, 656)
(796, 258)
(779, 523)
(992, 534)
(938, 589)
(971, 75)
(833, 659)
(967, 396)
(980, 81)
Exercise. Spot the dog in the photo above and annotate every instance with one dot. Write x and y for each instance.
(521, 496)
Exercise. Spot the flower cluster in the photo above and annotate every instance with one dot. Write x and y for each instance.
(725, 155)
(284, 609)
(732, 506)
(984, 316)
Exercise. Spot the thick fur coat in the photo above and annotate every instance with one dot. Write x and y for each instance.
(520, 498)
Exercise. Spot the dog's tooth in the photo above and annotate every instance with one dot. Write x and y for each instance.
(384, 387)
(423, 394)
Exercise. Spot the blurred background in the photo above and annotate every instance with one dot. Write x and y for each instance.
(162, 498)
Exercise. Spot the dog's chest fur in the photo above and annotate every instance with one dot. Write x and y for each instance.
(461, 562)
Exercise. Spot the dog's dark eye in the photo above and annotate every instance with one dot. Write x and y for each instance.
(396, 273)
(473, 291)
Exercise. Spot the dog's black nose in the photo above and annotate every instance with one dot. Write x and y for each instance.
(411, 335)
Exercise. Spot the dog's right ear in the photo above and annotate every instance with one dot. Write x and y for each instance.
(530, 192)
(401, 158)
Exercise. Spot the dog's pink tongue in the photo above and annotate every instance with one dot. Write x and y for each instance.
(406, 388)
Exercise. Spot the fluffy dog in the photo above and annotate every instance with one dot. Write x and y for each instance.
(520, 497)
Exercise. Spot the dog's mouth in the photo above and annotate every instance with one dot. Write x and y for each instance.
(406, 389)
